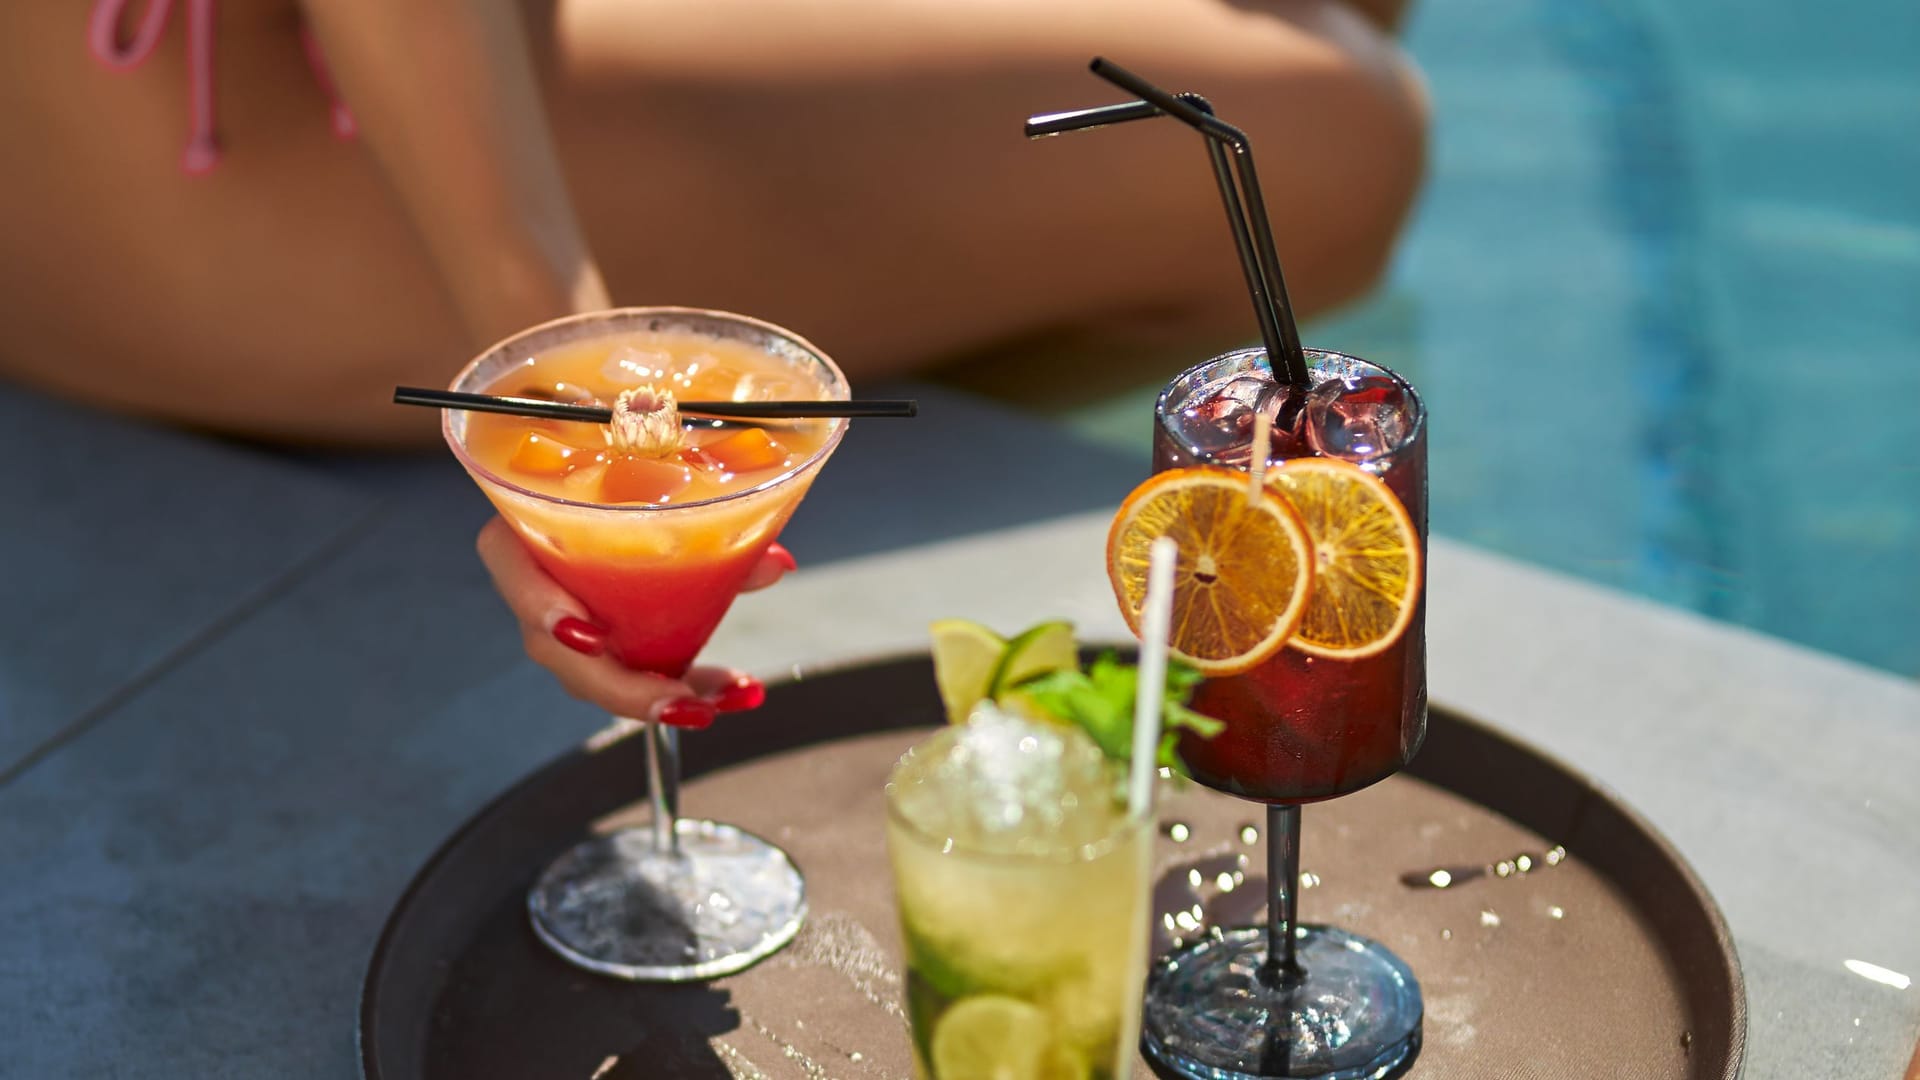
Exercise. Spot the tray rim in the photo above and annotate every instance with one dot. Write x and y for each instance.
(366, 1018)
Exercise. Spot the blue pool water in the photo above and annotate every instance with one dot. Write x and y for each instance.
(1662, 294)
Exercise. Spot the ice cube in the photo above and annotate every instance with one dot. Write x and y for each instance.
(770, 386)
(631, 366)
(583, 483)
(1006, 785)
(1361, 419)
(1223, 419)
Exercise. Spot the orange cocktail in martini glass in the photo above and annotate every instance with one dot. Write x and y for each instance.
(656, 541)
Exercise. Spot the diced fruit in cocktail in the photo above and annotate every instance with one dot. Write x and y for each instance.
(1000, 1038)
(1366, 557)
(630, 478)
(700, 461)
(544, 455)
(583, 483)
(747, 451)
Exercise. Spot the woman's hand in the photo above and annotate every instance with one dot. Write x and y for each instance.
(561, 637)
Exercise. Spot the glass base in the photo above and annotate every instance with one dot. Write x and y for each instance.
(1209, 1015)
(615, 904)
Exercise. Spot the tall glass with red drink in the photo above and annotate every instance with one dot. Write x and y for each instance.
(1303, 727)
(1312, 721)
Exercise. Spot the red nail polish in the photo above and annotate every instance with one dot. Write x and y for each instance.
(782, 556)
(743, 693)
(685, 712)
(580, 635)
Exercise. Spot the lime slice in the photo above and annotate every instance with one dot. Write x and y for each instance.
(994, 1038)
(1065, 1063)
(965, 657)
(1039, 649)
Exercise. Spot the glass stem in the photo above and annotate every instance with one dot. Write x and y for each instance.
(1283, 900)
(663, 782)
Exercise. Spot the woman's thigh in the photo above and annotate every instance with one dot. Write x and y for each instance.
(857, 168)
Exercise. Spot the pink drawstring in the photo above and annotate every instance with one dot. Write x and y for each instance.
(103, 33)
(344, 126)
(203, 146)
(203, 140)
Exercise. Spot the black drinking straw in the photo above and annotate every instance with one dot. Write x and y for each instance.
(598, 414)
(1252, 233)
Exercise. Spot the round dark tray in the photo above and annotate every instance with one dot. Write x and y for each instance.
(1614, 962)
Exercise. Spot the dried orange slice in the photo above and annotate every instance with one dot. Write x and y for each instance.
(1246, 562)
(1366, 557)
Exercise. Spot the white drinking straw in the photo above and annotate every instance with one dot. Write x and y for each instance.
(1262, 446)
(1156, 619)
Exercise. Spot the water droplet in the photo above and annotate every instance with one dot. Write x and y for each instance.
(1440, 878)
(1225, 882)
(1488, 918)
(1446, 935)
(1503, 868)
(1308, 879)
(1686, 1041)
(1556, 855)
(1249, 835)
(1179, 832)
(1193, 878)
(1557, 912)
(1523, 863)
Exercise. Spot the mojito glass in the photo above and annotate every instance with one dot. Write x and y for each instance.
(1023, 891)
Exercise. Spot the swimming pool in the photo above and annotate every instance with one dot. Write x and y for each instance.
(1662, 294)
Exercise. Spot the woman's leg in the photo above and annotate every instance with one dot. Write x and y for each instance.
(857, 170)
(852, 168)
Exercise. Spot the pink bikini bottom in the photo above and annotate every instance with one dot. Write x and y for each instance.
(203, 138)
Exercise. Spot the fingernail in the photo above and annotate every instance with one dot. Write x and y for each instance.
(782, 556)
(743, 693)
(580, 635)
(685, 712)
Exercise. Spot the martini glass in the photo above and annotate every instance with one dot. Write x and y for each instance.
(679, 899)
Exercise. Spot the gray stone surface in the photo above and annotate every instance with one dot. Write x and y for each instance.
(126, 546)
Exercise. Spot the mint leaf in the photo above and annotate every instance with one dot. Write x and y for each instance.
(1099, 701)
